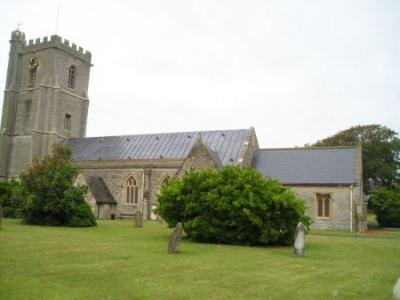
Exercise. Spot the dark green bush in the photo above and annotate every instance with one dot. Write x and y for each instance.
(386, 204)
(53, 199)
(11, 198)
(232, 206)
(82, 217)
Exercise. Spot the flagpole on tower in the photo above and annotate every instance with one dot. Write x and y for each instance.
(58, 16)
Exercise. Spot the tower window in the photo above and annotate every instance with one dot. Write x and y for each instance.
(32, 77)
(32, 65)
(67, 122)
(71, 77)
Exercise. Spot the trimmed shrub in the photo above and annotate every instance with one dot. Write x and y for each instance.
(386, 204)
(53, 199)
(82, 217)
(232, 206)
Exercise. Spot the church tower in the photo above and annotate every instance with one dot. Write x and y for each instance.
(45, 99)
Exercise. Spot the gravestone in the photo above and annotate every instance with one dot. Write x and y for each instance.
(1, 214)
(138, 219)
(396, 290)
(175, 238)
(300, 240)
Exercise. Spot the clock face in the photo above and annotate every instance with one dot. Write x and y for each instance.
(33, 63)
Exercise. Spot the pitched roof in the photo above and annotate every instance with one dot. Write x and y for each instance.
(226, 143)
(99, 190)
(307, 165)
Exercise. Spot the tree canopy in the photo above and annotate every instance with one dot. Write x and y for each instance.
(380, 151)
(233, 205)
(52, 197)
(11, 198)
(386, 205)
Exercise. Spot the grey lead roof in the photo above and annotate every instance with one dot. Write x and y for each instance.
(226, 143)
(99, 189)
(307, 165)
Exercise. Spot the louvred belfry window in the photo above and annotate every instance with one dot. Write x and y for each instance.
(71, 77)
(67, 122)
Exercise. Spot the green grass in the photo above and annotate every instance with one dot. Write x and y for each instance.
(372, 219)
(117, 261)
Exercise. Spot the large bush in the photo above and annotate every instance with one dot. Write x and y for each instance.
(11, 198)
(386, 204)
(53, 199)
(233, 205)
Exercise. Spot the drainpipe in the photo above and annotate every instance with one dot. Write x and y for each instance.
(351, 208)
(143, 192)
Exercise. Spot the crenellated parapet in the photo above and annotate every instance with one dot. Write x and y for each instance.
(18, 36)
(53, 41)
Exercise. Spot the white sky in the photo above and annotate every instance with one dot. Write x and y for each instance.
(297, 71)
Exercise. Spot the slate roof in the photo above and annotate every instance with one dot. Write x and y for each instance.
(226, 143)
(307, 165)
(99, 189)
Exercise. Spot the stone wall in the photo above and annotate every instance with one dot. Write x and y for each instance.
(106, 211)
(157, 178)
(251, 145)
(147, 175)
(80, 181)
(340, 209)
(200, 157)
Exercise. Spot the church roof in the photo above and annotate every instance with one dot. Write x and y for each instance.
(308, 165)
(99, 189)
(227, 144)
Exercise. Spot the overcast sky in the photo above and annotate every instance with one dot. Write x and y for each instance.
(297, 71)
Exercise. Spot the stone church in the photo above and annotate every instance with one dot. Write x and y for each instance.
(46, 102)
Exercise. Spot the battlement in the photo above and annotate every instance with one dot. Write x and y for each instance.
(18, 36)
(56, 41)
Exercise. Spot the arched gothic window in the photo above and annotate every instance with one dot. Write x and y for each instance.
(71, 77)
(131, 190)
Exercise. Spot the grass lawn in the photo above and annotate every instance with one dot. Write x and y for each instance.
(116, 261)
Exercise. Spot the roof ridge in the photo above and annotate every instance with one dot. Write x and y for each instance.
(160, 133)
(308, 148)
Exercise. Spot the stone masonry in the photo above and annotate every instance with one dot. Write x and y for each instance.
(34, 111)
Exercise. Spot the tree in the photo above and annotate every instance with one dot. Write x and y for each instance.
(233, 205)
(12, 197)
(380, 151)
(53, 199)
(386, 205)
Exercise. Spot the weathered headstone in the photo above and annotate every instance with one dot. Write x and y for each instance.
(300, 240)
(138, 219)
(175, 238)
(396, 290)
(1, 215)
